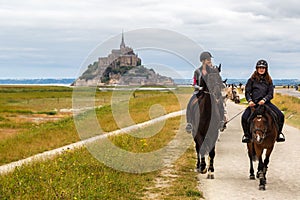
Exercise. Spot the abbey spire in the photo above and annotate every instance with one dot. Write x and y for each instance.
(122, 45)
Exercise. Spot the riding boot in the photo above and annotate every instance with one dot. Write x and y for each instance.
(223, 125)
(189, 128)
(247, 137)
(280, 137)
(223, 121)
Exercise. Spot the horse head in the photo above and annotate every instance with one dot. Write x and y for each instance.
(215, 85)
(259, 123)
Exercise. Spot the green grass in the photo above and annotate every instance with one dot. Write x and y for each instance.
(184, 186)
(290, 107)
(36, 138)
(72, 175)
(78, 175)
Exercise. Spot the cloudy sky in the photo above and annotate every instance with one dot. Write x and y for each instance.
(43, 38)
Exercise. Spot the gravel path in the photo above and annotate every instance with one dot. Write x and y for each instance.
(232, 166)
(48, 154)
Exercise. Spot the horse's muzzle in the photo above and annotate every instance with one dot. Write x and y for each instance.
(259, 135)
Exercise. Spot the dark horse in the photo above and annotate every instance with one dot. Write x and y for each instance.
(264, 129)
(206, 111)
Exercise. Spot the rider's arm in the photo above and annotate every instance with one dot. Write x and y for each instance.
(248, 90)
(270, 93)
(194, 81)
(196, 78)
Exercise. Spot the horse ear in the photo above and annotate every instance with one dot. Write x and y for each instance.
(219, 68)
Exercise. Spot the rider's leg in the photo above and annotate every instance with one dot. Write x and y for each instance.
(280, 115)
(223, 116)
(247, 136)
(189, 126)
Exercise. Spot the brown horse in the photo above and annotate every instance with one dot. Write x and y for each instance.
(264, 129)
(206, 111)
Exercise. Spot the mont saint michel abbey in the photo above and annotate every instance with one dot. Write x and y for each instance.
(122, 66)
(117, 58)
(123, 57)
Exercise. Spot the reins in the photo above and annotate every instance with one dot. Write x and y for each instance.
(235, 116)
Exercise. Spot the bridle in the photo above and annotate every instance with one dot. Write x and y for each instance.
(263, 131)
(212, 93)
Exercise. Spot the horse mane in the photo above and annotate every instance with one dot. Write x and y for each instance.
(264, 110)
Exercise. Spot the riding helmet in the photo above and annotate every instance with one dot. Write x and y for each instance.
(205, 55)
(262, 63)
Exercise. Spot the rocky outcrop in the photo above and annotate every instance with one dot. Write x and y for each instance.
(143, 76)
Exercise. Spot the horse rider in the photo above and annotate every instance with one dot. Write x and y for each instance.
(199, 82)
(259, 90)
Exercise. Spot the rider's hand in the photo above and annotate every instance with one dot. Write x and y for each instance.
(251, 104)
(261, 102)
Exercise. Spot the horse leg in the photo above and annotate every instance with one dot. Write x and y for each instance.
(198, 157)
(251, 155)
(251, 176)
(266, 162)
(203, 168)
(201, 164)
(211, 169)
(260, 173)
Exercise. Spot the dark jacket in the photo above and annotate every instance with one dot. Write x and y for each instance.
(199, 79)
(258, 90)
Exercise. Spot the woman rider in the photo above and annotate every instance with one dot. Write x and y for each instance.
(259, 90)
(199, 81)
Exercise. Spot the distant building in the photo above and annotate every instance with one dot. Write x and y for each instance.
(121, 66)
(120, 57)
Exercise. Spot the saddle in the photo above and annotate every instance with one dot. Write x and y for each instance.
(266, 109)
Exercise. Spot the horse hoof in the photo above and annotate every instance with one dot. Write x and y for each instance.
(198, 170)
(252, 177)
(262, 187)
(202, 171)
(210, 176)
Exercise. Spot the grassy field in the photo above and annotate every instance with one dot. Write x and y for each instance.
(21, 139)
(77, 174)
(290, 107)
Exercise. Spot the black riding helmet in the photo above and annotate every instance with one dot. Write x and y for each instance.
(262, 63)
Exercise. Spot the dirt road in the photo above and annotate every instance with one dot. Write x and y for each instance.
(232, 167)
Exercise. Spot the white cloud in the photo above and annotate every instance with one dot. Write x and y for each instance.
(63, 32)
